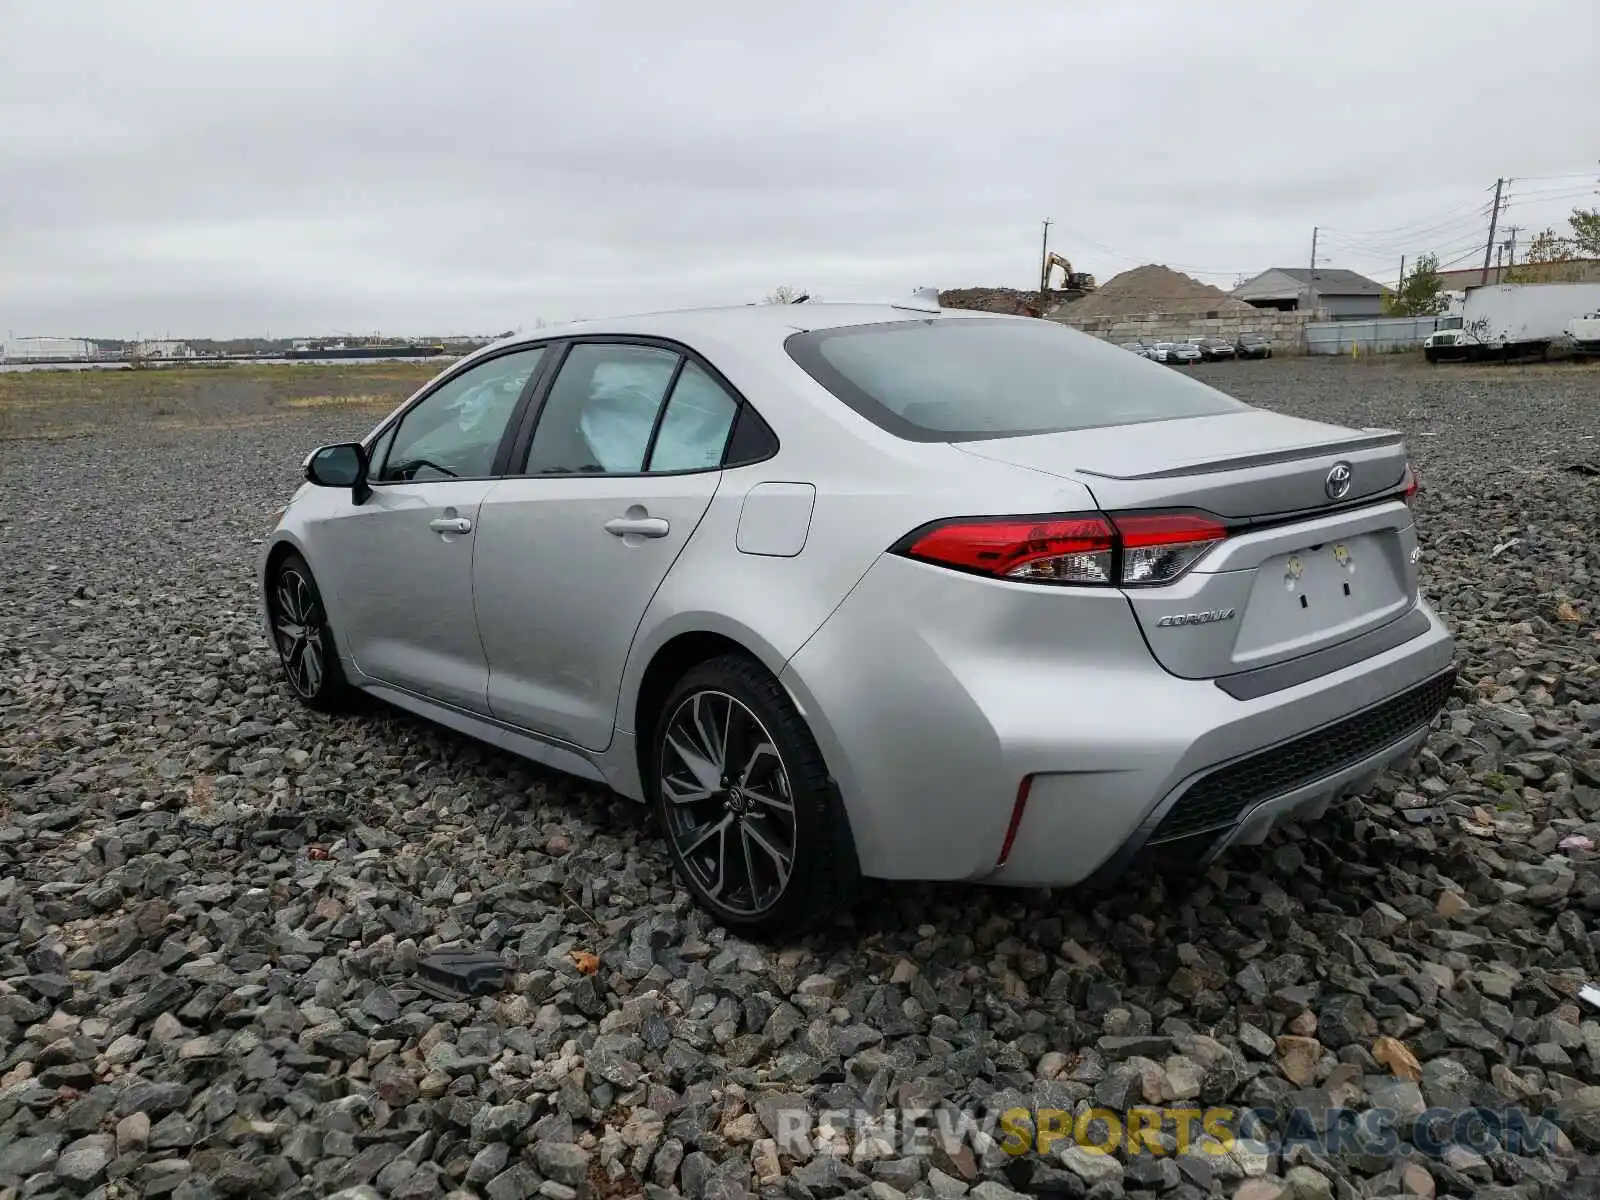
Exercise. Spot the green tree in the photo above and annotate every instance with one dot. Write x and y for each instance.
(1586, 231)
(1548, 247)
(1421, 292)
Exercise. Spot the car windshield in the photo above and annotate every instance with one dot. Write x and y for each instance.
(968, 378)
(1250, 339)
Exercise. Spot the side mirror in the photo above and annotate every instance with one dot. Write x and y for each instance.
(341, 465)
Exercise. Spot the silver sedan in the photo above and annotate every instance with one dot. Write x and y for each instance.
(873, 590)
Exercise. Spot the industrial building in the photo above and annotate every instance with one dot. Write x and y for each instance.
(1574, 270)
(1341, 295)
(163, 349)
(49, 349)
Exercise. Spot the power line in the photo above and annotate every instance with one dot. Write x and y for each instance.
(1459, 212)
(1104, 249)
(1560, 191)
(1443, 238)
(1461, 258)
(1389, 238)
(1545, 178)
(1559, 198)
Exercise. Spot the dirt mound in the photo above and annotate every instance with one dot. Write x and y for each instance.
(995, 300)
(1154, 289)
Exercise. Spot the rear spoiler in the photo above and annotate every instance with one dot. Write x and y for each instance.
(1368, 441)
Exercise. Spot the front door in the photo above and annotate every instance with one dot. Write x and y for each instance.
(571, 553)
(400, 563)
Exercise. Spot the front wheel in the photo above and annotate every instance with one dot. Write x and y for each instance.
(303, 638)
(754, 824)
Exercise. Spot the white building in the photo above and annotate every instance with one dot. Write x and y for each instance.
(27, 348)
(163, 349)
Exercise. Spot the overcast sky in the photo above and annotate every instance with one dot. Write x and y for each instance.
(221, 169)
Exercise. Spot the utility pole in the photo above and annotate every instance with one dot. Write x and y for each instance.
(1511, 246)
(1311, 276)
(1401, 285)
(1494, 217)
(1044, 260)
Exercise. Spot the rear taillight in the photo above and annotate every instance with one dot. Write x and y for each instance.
(1409, 491)
(1075, 549)
(1088, 549)
(1158, 547)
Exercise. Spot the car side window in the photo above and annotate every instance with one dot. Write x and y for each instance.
(379, 453)
(601, 410)
(694, 429)
(455, 432)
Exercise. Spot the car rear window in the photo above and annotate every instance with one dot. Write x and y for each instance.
(962, 379)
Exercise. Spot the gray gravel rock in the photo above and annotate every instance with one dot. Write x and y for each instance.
(212, 902)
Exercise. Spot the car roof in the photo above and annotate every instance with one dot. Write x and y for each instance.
(735, 322)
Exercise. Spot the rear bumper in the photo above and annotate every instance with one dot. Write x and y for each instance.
(1239, 803)
(933, 695)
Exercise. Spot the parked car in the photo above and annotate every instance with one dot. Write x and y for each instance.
(1182, 353)
(783, 575)
(1138, 348)
(1213, 349)
(1158, 351)
(1252, 345)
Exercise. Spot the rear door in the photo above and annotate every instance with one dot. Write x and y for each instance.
(623, 460)
(1320, 549)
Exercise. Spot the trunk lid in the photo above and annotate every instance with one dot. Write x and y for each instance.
(1308, 564)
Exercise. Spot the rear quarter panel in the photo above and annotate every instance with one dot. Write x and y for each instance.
(871, 490)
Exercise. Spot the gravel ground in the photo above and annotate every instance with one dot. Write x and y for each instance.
(212, 902)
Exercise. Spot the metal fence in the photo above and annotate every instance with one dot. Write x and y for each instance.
(1379, 335)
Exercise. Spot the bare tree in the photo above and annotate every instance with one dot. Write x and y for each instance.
(784, 294)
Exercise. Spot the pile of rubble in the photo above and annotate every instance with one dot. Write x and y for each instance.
(1155, 289)
(996, 300)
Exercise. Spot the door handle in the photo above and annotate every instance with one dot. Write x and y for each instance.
(651, 527)
(450, 525)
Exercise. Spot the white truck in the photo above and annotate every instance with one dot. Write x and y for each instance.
(1509, 320)
(1585, 333)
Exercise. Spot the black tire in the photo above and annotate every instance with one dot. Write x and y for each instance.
(304, 640)
(1431, 355)
(764, 764)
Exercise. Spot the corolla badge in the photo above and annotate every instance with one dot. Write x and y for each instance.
(1337, 485)
(1198, 618)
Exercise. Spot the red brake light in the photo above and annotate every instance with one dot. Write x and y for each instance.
(1411, 484)
(1167, 529)
(1073, 549)
(1083, 549)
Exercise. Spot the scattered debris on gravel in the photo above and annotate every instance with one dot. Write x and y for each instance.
(213, 904)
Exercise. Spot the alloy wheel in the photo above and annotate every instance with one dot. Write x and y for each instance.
(729, 806)
(297, 625)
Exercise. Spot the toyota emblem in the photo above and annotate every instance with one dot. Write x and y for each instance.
(1338, 481)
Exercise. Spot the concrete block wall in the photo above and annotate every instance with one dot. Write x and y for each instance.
(1282, 329)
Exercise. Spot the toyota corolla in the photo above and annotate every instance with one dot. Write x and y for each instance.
(873, 590)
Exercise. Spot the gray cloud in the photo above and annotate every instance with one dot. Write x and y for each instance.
(211, 169)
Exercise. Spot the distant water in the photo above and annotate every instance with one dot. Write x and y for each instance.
(219, 362)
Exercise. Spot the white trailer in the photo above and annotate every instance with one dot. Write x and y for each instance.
(1509, 320)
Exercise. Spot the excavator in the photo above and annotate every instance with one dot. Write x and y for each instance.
(1071, 281)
